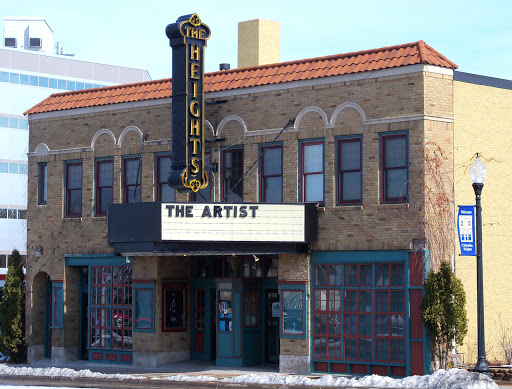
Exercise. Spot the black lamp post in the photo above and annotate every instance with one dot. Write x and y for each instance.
(477, 173)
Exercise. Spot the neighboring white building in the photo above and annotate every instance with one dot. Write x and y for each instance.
(30, 72)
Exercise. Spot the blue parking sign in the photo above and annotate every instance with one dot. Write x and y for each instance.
(466, 228)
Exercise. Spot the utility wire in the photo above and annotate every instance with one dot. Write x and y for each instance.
(137, 180)
(290, 122)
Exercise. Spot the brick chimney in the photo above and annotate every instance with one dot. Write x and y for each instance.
(259, 43)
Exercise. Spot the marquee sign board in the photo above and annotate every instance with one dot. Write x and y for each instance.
(220, 222)
(188, 37)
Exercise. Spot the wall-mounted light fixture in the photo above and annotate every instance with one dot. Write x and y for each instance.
(39, 251)
(256, 259)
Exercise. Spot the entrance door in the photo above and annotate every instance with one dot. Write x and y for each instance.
(271, 327)
(229, 336)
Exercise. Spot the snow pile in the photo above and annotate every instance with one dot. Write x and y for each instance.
(59, 372)
(441, 379)
(192, 378)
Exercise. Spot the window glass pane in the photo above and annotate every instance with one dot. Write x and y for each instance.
(235, 192)
(42, 183)
(22, 213)
(382, 349)
(365, 277)
(351, 184)
(4, 167)
(74, 202)
(350, 301)
(70, 85)
(52, 83)
(350, 155)
(132, 173)
(350, 275)
(14, 78)
(22, 169)
(167, 194)
(350, 324)
(34, 81)
(320, 274)
(313, 158)
(74, 178)
(4, 121)
(334, 275)
(3, 261)
(396, 151)
(382, 275)
(164, 166)
(314, 187)
(24, 79)
(132, 194)
(43, 81)
(320, 323)
(272, 161)
(12, 213)
(13, 168)
(105, 173)
(3, 213)
(233, 164)
(23, 124)
(4, 77)
(58, 307)
(14, 123)
(365, 301)
(105, 198)
(273, 187)
(61, 84)
(293, 312)
(398, 275)
(143, 309)
(396, 183)
(79, 85)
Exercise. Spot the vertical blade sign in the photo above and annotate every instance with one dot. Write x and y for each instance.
(187, 37)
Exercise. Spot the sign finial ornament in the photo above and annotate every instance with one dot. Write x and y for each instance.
(194, 20)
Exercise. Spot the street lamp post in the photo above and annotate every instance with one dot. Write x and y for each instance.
(477, 173)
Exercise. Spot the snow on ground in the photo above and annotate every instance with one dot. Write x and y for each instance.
(59, 372)
(441, 379)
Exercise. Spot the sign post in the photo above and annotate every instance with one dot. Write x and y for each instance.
(187, 37)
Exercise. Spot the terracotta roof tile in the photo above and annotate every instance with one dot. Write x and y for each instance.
(311, 68)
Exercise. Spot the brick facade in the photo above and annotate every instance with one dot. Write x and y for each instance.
(420, 103)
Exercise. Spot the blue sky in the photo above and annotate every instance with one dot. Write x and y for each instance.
(476, 35)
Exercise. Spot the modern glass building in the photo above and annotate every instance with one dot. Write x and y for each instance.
(31, 69)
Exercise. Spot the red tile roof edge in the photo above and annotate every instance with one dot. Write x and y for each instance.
(421, 45)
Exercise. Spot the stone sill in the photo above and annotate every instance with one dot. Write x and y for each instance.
(394, 206)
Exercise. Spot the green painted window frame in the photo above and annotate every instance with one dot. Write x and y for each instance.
(294, 286)
(145, 292)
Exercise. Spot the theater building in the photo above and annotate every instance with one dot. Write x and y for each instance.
(314, 260)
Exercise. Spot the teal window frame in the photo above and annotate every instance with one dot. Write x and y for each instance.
(294, 286)
(145, 291)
